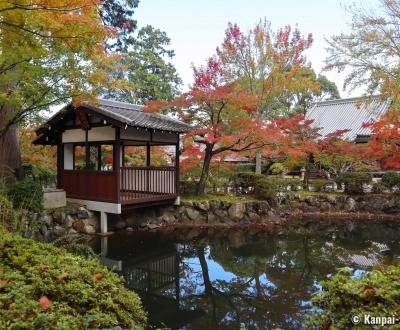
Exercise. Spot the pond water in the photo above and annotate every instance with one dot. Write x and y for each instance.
(221, 279)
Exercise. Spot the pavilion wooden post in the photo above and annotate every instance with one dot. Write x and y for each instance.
(117, 161)
(103, 222)
(87, 162)
(177, 155)
(148, 162)
(60, 163)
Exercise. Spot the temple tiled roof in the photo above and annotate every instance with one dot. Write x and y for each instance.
(347, 114)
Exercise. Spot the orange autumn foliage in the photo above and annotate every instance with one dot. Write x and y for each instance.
(41, 155)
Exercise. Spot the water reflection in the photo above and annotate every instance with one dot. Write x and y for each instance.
(219, 280)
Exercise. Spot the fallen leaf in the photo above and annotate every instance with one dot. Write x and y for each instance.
(62, 276)
(3, 282)
(29, 314)
(44, 303)
(44, 267)
(98, 276)
(369, 291)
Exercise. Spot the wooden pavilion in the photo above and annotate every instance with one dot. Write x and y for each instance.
(93, 144)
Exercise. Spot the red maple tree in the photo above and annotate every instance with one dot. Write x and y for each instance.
(223, 115)
(384, 145)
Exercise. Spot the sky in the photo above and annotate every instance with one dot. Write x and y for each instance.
(196, 27)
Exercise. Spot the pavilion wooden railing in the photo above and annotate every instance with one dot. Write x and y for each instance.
(153, 180)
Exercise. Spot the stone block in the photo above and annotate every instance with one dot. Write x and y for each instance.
(54, 198)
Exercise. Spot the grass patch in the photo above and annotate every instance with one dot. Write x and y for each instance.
(220, 198)
(319, 193)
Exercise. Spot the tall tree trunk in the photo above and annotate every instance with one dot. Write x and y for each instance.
(10, 156)
(205, 171)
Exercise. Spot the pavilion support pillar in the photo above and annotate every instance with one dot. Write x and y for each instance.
(103, 222)
(104, 246)
(177, 172)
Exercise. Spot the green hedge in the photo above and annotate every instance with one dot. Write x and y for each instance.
(44, 287)
(376, 293)
(391, 180)
(354, 181)
(261, 185)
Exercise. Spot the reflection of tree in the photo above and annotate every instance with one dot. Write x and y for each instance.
(272, 279)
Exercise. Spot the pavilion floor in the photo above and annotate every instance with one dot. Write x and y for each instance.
(134, 198)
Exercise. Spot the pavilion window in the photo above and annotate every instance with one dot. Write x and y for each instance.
(79, 157)
(93, 158)
(106, 152)
(162, 155)
(135, 156)
(100, 157)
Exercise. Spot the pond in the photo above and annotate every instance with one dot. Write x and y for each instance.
(208, 279)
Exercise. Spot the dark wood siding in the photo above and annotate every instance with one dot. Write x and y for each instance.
(91, 185)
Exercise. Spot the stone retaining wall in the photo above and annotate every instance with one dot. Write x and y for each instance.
(52, 224)
(257, 212)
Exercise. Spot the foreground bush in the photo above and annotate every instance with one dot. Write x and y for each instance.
(376, 293)
(354, 182)
(391, 180)
(43, 287)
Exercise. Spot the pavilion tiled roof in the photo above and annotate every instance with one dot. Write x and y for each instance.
(133, 115)
(347, 114)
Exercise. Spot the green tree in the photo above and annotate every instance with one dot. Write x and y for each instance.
(120, 15)
(50, 52)
(301, 100)
(148, 68)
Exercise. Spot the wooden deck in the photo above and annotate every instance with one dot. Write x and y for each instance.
(130, 197)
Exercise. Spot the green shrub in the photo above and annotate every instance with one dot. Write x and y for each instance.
(320, 184)
(267, 188)
(27, 194)
(81, 293)
(6, 213)
(391, 180)
(376, 293)
(354, 181)
(244, 182)
(278, 169)
(188, 187)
